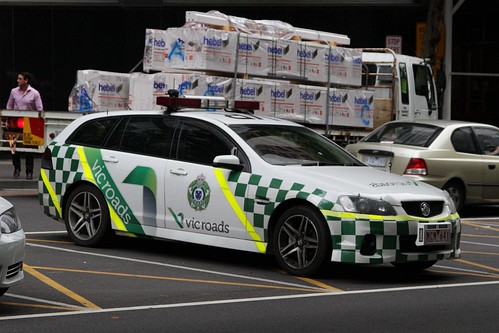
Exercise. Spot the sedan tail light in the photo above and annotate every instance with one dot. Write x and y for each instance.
(416, 166)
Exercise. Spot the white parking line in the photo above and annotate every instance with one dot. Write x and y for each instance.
(44, 301)
(482, 244)
(245, 300)
(176, 266)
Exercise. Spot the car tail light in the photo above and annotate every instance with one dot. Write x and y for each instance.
(47, 160)
(416, 166)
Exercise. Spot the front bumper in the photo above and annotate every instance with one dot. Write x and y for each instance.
(12, 250)
(373, 239)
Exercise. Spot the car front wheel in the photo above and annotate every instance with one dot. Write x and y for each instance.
(87, 216)
(302, 241)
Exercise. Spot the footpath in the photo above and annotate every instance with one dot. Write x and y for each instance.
(20, 186)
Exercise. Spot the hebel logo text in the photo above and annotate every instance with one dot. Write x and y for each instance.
(216, 89)
(275, 50)
(248, 91)
(107, 87)
(245, 47)
(278, 94)
(212, 41)
(361, 100)
(159, 85)
(304, 54)
(332, 57)
(335, 99)
(159, 43)
(304, 96)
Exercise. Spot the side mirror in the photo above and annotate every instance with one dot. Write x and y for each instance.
(227, 162)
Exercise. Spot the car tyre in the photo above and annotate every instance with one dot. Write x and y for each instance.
(86, 215)
(302, 241)
(414, 266)
(456, 193)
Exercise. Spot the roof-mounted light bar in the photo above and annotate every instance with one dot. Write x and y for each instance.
(205, 102)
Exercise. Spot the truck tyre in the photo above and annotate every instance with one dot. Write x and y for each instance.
(86, 216)
(302, 241)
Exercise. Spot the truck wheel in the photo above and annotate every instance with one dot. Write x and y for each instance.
(87, 216)
(302, 241)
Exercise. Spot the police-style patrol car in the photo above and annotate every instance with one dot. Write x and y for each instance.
(235, 180)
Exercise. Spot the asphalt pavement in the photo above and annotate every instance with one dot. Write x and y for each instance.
(9, 185)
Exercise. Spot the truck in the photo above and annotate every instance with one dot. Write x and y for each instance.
(401, 87)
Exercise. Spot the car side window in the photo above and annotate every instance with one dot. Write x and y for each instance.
(93, 133)
(463, 142)
(200, 143)
(488, 138)
(146, 135)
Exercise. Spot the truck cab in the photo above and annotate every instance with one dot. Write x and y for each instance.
(403, 86)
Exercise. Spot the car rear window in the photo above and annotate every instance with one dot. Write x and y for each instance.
(411, 134)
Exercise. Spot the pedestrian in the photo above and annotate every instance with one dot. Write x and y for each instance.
(24, 97)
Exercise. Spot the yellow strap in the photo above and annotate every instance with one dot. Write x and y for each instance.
(237, 209)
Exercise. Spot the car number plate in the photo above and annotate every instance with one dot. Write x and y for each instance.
(433, 234)
(375, 161)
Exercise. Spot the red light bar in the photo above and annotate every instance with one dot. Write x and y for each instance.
(246, 105)
(209, 102)
(178, 102)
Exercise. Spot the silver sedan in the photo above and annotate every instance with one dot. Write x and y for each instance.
(12, 247)
(460, 157)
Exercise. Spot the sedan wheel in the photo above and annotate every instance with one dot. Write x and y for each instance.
(87, 216)
(456, 193)
(302, 241)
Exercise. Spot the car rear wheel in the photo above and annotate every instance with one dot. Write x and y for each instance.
(302, 241)
(87, 216)
(456, 193)
(414, 266)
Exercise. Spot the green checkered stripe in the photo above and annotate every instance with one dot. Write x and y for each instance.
(248, 186)
(67, 170)
(348, 231)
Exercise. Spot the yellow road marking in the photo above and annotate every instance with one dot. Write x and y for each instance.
(45, 279)
(173, 279)
(486, 253)
(39, 306)
(47, 241)
(319, 284)
(478, 265)
(479, 226)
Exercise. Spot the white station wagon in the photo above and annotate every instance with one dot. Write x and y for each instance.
(231, 179)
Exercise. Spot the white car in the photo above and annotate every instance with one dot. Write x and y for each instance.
(12, 245)
(239, 181)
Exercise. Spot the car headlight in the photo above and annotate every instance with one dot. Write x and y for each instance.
(362, 205)
(9, 222)
(450, 202)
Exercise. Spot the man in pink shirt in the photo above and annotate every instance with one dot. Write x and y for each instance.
(24, 97)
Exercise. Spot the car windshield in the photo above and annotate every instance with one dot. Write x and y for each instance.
(411, 134)
(292, 145)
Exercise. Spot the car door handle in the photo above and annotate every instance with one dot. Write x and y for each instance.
(178, 172)
(262, 200)
(110, 159)
(492, 166)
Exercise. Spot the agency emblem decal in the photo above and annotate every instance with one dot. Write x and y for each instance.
(198, 193)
